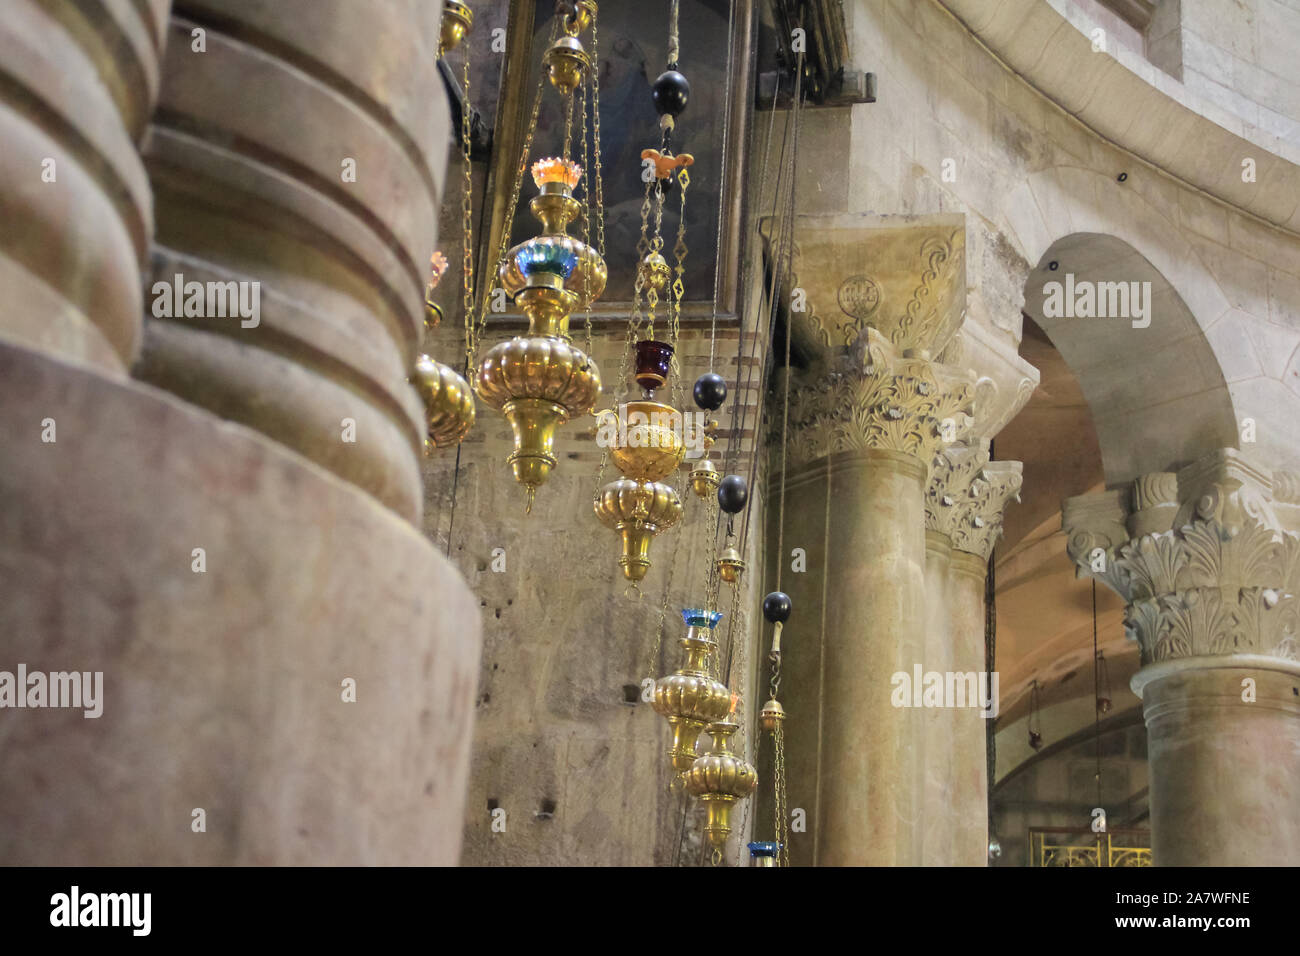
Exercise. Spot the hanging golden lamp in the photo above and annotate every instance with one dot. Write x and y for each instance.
(704, 474)
(448, 403)
(720, 779)
(457, 18)
(541, 380)
(646, 442)
(690, 699)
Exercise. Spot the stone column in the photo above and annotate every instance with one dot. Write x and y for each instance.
(947, 493)
(975, 533)
(964, 503)
(302, 150)
(887, 382)
(285, 664)
(931, 749)
(1208, 561)
(878, 425)
(75, 203)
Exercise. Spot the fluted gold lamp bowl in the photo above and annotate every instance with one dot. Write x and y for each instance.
(689, 698)
(720, 779)
(648, 444)
(637, 510)
(448, 403)
(539, 383)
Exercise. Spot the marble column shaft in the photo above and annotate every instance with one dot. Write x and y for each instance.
(965, 501)
(874, 430)
(1208, 561)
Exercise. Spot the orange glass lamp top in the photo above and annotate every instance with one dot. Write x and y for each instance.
(552, 169)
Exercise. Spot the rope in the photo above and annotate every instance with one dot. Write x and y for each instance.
(674, 41)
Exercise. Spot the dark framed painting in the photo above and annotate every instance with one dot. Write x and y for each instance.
(716, 39)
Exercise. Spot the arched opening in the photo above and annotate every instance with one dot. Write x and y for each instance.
(1129, 385)
(1154, 387)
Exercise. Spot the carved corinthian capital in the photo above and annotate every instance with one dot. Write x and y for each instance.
(1205, 559)
(980, 524)
(882, 399)
(949, 492)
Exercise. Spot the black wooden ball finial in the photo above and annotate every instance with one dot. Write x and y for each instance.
(710, 391)
(671, 93)
(732, 494)
(776, 607)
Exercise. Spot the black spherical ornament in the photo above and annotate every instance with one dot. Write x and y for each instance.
(671, 93)
(732, 494)
(776, 607)
(710, 391)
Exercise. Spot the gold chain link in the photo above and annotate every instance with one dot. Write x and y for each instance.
(678, 288)
(782, 828)
(467, 224)
(515, 192)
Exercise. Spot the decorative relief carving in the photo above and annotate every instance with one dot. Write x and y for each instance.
(859, 297)
(884, 401)
(949, 493)
(922, 324)
(1159, 488)
(929, 284)
(1223, 578)
(980, 524)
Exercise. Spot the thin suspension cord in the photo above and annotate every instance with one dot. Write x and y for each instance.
(726, 125)
(736, 410)
(1096, 712)
(782, 263)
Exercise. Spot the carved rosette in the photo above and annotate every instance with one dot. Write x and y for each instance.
(1215, 575)
(886, 400)
(979, 525)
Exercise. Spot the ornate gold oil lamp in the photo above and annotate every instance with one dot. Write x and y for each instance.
(647, 443)
(690, 699)
(541, 380)
(448, 404)
(457, 18)
(720, 779)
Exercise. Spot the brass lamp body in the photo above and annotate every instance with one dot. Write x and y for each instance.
(637, 510)
(457, 19)
(690, 699)
(539, 381)
(448, 402)
(720, 778)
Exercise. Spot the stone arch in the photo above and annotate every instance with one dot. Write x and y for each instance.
(1151, 378)
(1158, 394)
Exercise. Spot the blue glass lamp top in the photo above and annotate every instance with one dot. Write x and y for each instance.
(698, 617)
(542, 256)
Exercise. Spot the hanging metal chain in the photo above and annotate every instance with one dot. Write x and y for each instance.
(586, 211)
(652, 663)
(515, 192)
(467, 227)
(656, 244)
(595, 137)
(674, 39)
(568, 126)
(782, 821)
(678, 289)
